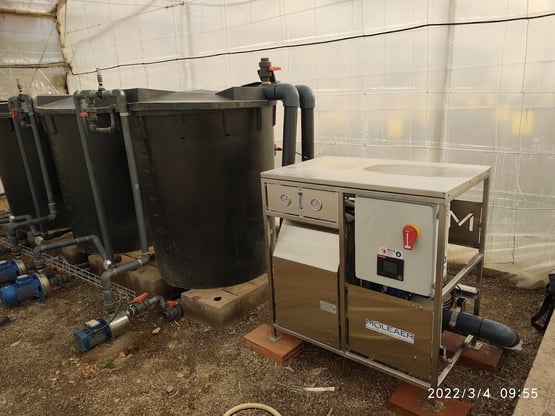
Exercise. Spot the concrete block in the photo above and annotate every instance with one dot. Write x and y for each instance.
(410, 400)
(251, 293)
(4, 205)
(95, 262)
(73, 255)
(281, 350)
(216, 307)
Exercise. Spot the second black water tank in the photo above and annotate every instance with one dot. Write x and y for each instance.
(57, 115)
(199, 156)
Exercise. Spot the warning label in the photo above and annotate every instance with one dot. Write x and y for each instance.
(391, 252)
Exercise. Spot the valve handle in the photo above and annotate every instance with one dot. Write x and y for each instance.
(140, 298)
(172, 303)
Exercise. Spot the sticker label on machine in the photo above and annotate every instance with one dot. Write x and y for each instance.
(390, 331)
(328, 307)
(391, 252)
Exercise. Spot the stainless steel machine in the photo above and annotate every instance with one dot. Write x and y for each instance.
(358, 258)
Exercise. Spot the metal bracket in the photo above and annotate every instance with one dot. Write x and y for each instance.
(476, 345)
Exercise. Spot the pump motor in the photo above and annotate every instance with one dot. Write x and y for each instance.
(32, 286)
(97, 331)
(10, 269)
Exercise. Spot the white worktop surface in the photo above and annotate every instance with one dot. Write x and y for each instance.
(438, 180)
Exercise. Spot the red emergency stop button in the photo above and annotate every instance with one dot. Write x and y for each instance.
(411, 233)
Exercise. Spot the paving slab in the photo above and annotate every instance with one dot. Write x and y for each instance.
(280, 350)
(410, 400)
(486, 358)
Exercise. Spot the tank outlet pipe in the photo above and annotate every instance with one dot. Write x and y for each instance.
(25, 102)
(121, 105)
(15, 106)
(12, 219)
(38, 260)
(491, 331)
(10, 269)
(289, 96)
(170, 309)
(32, 286)
(57, 233)
(108, 275)
(97, 331)
(78, 98)
(307, 104)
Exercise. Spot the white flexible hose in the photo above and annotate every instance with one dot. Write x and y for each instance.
(246, 406)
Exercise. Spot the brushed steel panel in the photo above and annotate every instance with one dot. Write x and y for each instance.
(318, 204)
(400, 318)
(283, 199)
(306, 301)
(303, 202)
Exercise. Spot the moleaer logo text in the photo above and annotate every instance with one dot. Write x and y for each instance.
(390, 331)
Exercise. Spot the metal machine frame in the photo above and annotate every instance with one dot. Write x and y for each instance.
(439, 366)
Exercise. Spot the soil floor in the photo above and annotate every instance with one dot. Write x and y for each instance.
(188, 368)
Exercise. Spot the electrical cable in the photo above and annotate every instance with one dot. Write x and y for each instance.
(323, 42)
(246, 406)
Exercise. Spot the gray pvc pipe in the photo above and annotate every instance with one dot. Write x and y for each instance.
(289, 96)
(307, 104)
(46, 179)
(108, 275)
(146, 256)
(491, 331)
(96, 193)
(50, 196)
(19, 218)
(106, 261)
(25, 158)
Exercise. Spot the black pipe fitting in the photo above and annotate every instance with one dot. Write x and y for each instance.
(491, 331)
(173, 312)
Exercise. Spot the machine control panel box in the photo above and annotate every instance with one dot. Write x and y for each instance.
(395, 244)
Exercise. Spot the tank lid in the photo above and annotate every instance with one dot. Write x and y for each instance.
(235, 97)
(141, 99)
(63, 104)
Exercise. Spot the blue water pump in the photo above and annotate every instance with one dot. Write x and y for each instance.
(32, 286)
(10, 269)
(99, 330)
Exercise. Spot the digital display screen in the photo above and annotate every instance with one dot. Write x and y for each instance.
(390, 267)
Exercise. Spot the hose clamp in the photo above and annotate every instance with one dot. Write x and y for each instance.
(454, 317)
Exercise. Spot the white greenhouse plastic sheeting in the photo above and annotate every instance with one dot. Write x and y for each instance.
(442, 80)
(30, 52)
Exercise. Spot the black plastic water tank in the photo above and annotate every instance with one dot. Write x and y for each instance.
(57, 115)
(199, 156)
(14, 177)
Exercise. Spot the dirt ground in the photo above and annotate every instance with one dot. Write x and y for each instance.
(188, 368)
